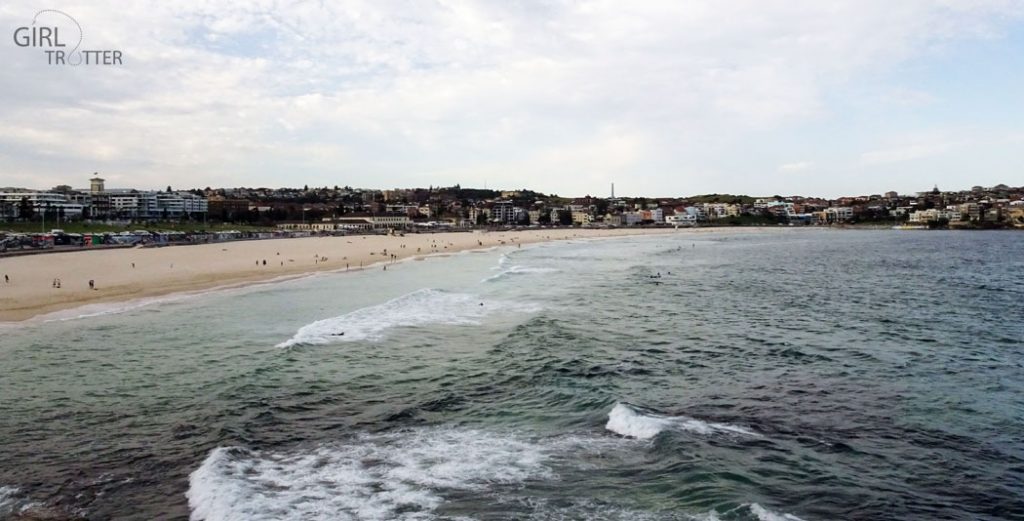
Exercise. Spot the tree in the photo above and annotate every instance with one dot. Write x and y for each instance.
(168, 188)
(25, 209)
(564, 217)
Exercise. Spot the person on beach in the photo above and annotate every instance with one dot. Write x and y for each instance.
(92, 284)
(7, 279)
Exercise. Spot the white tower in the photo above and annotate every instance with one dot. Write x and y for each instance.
(96, 183)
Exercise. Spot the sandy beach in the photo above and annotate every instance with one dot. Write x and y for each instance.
(138, 273)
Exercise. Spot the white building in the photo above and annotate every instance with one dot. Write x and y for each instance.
(721, 210)
(134, 204)
(503, 212)
(837, 214)
(381, 221)
(682, 219)
(127, 203)
(360, 221)
(582, 217)
(934, 215)
(633, 218)
(49, 202)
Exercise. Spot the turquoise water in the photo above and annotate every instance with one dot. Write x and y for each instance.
(781, 375)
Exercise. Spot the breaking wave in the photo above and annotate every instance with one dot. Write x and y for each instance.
(746, 511)
(7, 499)
(392, 476)
(11, 501)
(629, 422)
(763, 514)
(422, 307)
(518, 270)
(503, 260)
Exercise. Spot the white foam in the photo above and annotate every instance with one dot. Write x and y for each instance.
(709, 516)
(7, 499)
(519, 270)
(543, 510)
(763, 514)
(375, 477)
(11, 501)
(626, 421)
(422, 307)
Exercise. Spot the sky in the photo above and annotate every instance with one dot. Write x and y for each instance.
(660, 97)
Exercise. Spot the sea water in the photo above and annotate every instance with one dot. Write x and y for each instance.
(767, 375)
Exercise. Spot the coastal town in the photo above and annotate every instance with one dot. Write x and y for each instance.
(35, 218)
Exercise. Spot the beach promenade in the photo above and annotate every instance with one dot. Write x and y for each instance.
(44, 284)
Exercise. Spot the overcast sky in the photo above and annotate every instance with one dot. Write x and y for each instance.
(672, 97)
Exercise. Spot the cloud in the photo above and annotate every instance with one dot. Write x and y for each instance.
(906, 97)
(378, 93)
(910, 151)
(798, 166)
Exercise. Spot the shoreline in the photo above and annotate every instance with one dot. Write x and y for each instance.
(139, 277)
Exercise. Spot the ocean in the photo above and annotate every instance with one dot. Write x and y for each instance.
(775, 375)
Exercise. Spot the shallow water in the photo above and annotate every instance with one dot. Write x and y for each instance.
(781, 375)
